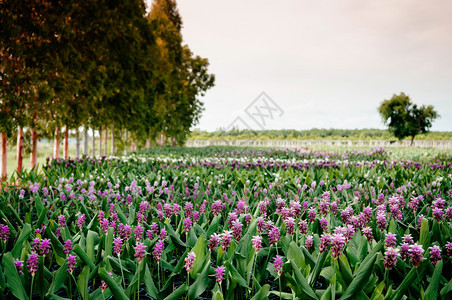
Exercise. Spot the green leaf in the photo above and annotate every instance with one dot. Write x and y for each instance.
(23, 237)
(137, 279)
(82, 283)
(410, 279)
(177, 294)
(262, 293)
(302, 282)
(149, 284)
(199, 249)
(202, 282)
(432, 290)
(236, 275)
(317, 268)
(361, 276)
(295, 254)
(117, 291)
(83, 256)
(13, 281)
(58, 279)
(424, 238)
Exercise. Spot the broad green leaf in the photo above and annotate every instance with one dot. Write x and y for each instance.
(317, 268)
(177, 294)
(361, 276)
(117, 291)
(432, 291)
(82, 283)
(13, 281)
(202, 282)
(149, 283)
(23, 237)
(83, 256)
(424, 238)
(296, 255)
(262, 293)
(58, 279)
(302, 282)
(200, 251)
(236, 275)
(409, 280)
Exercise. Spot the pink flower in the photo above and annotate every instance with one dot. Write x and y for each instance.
(435, 254)
(32, 263)
(325, 241)
(219, 276)
(226, 240)
(18, 264)
(140, 251)
(290, 225)
(44, 247)
(367, 232)
(237, 229)
(390, 240)
(278, 264)
(303, 226)
(80, 221)
(71, 261)
(309, 241)
(187, 225)
(416, 253)
(390, 259)
(189, 260)
(214, 241)
(260, 225)
(4, 232)
(273, 236)
(158, 250)
(337, 244)
(257, 243)
(67, 247)
(138, 232)
(117, 246)
(62, 221)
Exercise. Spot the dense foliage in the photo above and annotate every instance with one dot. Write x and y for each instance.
(99, 64)
(227, 223)
(309, 134)
(406, 119)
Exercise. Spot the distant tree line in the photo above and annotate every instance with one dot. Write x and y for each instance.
(310, 134)
(104, 65)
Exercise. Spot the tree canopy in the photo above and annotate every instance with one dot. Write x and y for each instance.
(98, 63)
(405, 118)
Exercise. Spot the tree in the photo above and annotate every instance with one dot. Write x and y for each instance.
(405, 118)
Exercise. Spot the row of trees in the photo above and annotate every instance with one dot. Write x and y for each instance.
(310, 134)
(102, 64)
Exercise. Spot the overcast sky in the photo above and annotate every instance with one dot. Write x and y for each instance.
(325, 64)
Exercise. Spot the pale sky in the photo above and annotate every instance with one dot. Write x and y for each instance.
(326, 64)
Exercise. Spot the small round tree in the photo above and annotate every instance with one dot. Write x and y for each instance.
(405, 118)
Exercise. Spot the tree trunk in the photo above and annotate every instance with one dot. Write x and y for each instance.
(162, 139)
(126, 137)
(132, 146)
(100, 141)
(34, 144)
(85, 141)
(20, 149)
(4, 156)
(56, 146)
(94, 143)
(174, 142)
(106, 140)
(66, 143)
(34, 148)
(77, 143)
(148, 144)
(112, 141)
(412, 141)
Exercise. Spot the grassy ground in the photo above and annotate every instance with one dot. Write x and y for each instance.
(46, 150)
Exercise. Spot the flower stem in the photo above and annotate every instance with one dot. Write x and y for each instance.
(31, 288)
(122, 272)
